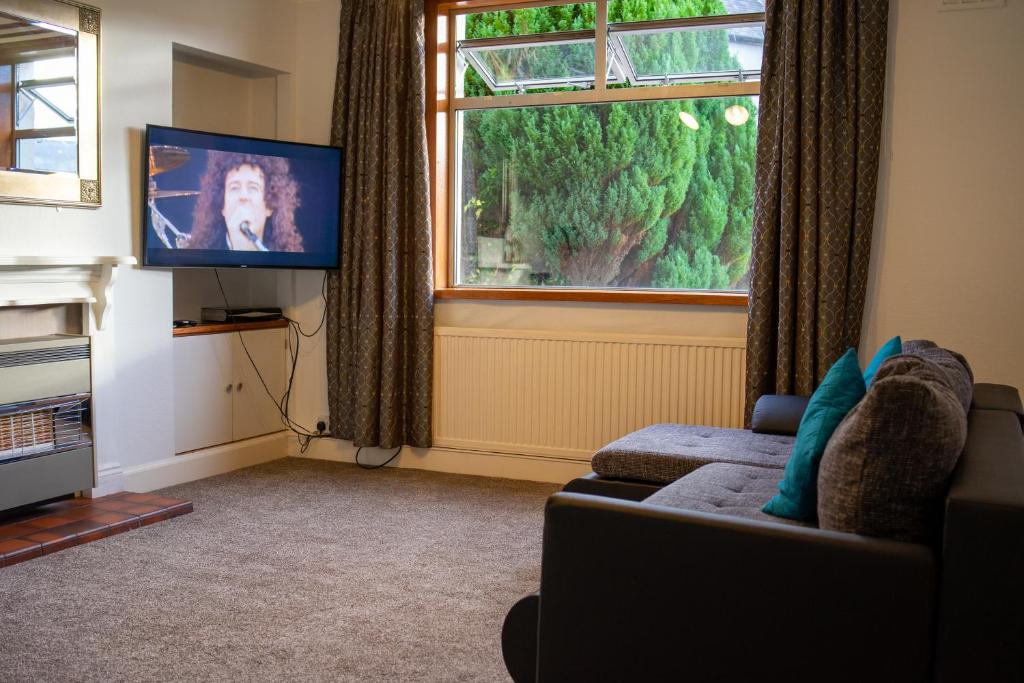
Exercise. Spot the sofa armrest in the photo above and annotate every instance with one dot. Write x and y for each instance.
(596, 485)
(519, 639)
(778, 414)
(998, 397)
(981, 603)
(632, 591)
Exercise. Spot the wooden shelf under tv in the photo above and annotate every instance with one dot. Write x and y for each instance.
(218, 328)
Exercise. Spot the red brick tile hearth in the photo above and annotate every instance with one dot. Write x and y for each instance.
(46, 529)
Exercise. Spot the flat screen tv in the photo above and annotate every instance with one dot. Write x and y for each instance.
(227, 201)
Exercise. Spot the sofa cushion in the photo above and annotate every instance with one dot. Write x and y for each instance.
(664, 452)
(724, 488)
(889, 349)
(886, 468)
(778, 414)
(957, 370)
(838, 393)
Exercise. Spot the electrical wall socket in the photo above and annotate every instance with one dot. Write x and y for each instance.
(326, 419)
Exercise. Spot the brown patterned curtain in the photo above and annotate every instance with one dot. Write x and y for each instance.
(380, 303)
(819, 133)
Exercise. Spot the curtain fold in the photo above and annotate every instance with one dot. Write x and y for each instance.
(380, 302)
(819, 134)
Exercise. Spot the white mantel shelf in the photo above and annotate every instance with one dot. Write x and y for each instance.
(16, 261)
(32, 280)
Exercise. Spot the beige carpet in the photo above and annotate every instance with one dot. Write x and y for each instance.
(293, 570)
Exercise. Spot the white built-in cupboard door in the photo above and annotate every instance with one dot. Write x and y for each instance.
(255, 412)
(203, 391)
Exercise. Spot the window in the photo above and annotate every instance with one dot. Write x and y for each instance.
(38, 124)
(46, 102)
(604, 146)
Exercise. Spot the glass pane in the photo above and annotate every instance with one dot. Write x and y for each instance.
(47, 107)
(48, 154)
(577, 16)
(694, 54)
(545, 60)
(47, 95)
(532, 65)
(63, 67)
(654, 194)
(644, 10)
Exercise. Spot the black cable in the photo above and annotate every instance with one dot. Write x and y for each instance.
(294, 350)
(293, 353)
(304, 435)
(291, 424)
(377, 467)
(323, 317)
(283, 405)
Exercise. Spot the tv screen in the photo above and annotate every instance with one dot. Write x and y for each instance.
(223, 200)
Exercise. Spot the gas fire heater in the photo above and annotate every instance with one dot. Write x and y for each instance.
(46, 448)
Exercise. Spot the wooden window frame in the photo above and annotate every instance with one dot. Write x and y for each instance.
(440, 50)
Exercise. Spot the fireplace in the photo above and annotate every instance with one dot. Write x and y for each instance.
(43, 389)
(45, 430)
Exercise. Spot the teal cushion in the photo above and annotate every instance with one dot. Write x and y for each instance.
(893, 347)
(839, 392)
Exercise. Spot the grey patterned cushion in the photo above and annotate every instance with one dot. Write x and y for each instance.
(727, 489)
(957, 370)
(664, 452)
(886, 468)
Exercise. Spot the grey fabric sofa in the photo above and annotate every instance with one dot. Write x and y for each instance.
(660, 565)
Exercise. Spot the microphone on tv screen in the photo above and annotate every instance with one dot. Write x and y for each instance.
(247, 231)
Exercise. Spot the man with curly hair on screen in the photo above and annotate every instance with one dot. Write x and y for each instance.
(246, 202)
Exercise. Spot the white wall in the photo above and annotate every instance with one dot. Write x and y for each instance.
(666, 319)
(235, 104)
(949, 233)
(135, 424)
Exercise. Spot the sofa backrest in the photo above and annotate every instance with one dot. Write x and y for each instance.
(980, 633)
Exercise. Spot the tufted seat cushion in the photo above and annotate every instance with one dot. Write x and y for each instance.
(663, 453)
(726, 489)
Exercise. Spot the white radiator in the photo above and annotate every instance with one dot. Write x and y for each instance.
(566, 394)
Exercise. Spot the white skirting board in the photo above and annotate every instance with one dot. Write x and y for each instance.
(109, 479)
(455, 461)
(206, 462)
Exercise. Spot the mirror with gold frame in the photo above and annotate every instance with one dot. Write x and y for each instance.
(49, 103)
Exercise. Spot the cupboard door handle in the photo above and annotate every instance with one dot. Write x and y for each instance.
(239, 387)
(228, 389)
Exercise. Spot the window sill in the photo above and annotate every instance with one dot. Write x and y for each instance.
(738, 299)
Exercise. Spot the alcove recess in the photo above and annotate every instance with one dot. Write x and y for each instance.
(41, 320)
(219, 94)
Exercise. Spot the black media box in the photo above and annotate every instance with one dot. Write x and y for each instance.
(241, 315)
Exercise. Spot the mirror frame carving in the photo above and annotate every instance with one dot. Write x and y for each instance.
(66, 189)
